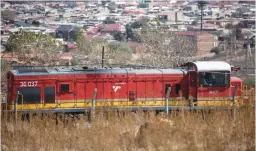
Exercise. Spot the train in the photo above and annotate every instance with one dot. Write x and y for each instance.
(193, 85)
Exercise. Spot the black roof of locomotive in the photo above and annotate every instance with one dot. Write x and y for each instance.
(25, 71)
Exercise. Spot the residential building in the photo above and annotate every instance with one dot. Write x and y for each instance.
(66, 32)
(205, 41)
(170, 16)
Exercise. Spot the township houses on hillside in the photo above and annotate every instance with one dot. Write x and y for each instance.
(97, 21)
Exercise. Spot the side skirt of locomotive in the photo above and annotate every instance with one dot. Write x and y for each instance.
(80, 106)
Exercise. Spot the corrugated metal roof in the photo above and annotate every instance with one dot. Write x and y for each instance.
(73, 71)
(65, 28)
(203, 66)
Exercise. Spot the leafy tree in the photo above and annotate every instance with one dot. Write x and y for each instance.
(129, 32)
(215, 50)
(123, 47)
(140, 23)
(103, 3)
(109, 21)
(119, 36)
(91, 47)
(240, 25)
(82, 43)
(5, 67)
(195, 22)
(8, 15)
(37, 47)
(143, 5)
(229, 26)
(119, 53)
(238, 33)
(250, 82)
(113, 46)
(35, 22)
(112, 6)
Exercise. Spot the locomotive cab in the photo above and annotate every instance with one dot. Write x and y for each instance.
(210, 83)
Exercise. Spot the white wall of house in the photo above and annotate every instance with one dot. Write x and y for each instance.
(215, 9)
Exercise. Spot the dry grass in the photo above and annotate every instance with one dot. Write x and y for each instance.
(112, 131)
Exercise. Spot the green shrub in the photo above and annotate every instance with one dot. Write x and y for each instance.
(74, 61)
(250, 82)
(123, 47)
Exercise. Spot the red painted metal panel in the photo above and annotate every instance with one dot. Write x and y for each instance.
(212, 92)
(141, 87)
(100, 88)
(80, 90)
(149, 88)
(158, 88)
(90, 85)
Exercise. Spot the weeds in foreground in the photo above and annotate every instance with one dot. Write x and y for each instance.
(113, 131)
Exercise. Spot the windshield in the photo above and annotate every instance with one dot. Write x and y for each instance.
(214, 78)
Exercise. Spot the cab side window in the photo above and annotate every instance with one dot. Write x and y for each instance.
(214, 78)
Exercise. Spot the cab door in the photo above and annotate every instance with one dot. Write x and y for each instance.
(49, 92)
(193, 85)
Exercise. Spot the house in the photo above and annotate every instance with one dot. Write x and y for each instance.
(111, 28)
(170, 16)
(206, 27)
(205, 41)
(133, 12)
(20, 24)
(5, 4)
(221, 3)
(66, 32)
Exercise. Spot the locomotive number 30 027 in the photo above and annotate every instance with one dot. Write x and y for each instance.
(28, 84)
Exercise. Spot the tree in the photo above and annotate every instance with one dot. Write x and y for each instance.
(35, 22)
(238, 32)
(109, 21)
(119, 36)
(103, 3)
(5, 67)
(123, 47)
(120, 53)
(112, 6)
(195, 22)
(240, 25)
(229, 26)
(201, 5)
(8, 15)
(143, 5)
(140, 23)
(33, 47)
(164, 48)
(129, 32)
(83, 45)
(215, 50)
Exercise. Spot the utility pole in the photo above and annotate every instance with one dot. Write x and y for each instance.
(246, 58)
(225, 50)
(102, 60)
(235, 42)
(230, 47)
(201, 5)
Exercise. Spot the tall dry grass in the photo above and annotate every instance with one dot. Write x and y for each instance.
(128, 131)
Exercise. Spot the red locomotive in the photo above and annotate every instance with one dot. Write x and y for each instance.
(197, 84)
